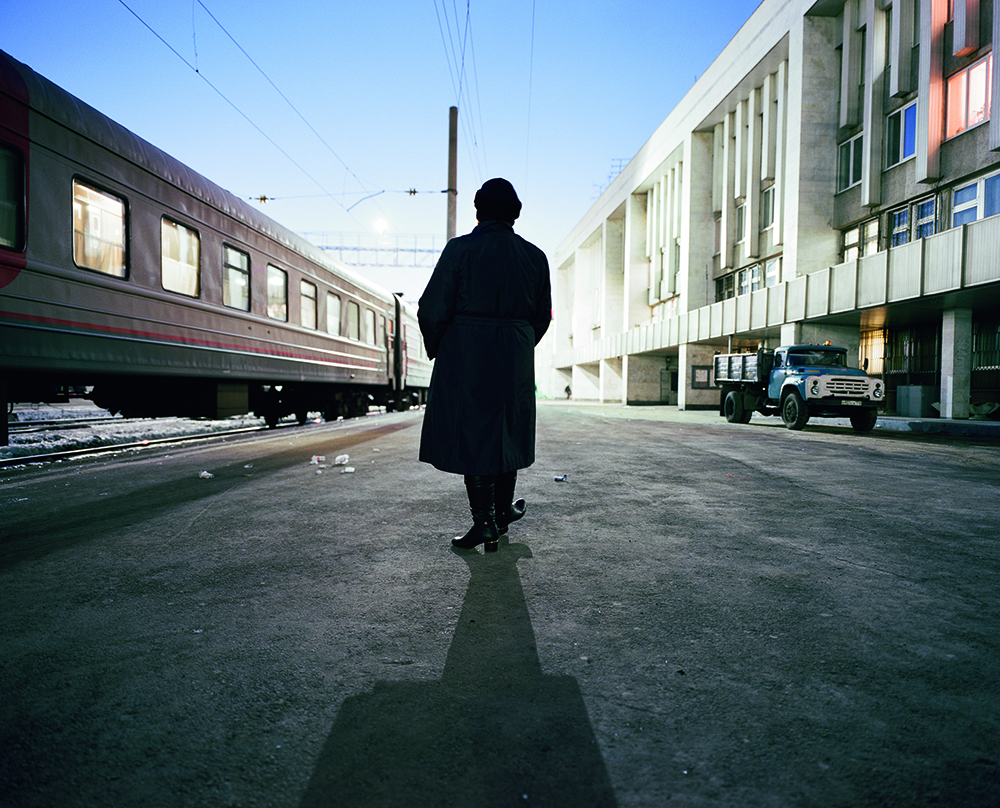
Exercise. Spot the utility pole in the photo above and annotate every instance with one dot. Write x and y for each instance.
(452, 171)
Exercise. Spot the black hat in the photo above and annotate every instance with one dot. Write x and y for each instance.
(497, 200)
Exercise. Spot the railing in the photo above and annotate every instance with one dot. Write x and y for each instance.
(960, 258)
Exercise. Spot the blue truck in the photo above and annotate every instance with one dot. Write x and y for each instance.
(797, 382)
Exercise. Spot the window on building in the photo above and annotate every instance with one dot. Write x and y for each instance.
(235, 278)
(964, 204)
(307, 304)
(968, 97)
(901, 135)
(718, 236)
(767, 208)
(899, 222)
(353, 320)
(851, 239)
(861, 240)
(746, 281)
(11, 198)
(180, 258)
(977, 200)
(926, 218)
(98, 230)
(333, 314)
(918, 220)
(724, 288)
(772, 272)
(741, 223)
(277, 293)
(849, 163)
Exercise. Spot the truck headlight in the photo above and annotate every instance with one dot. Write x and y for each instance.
(877, 391)
(814, 387)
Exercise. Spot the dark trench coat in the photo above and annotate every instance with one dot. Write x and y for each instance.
(485, 308)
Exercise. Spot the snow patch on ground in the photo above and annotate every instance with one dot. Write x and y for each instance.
(107, 433)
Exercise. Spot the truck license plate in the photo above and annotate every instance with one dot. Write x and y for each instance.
(851, 403)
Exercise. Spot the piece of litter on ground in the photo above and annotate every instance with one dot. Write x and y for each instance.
(319, 471)
(341, 460)
(206, 475)
(317, 459)
(248, 466)
(347, 470)
(563, 479)
(376, 450)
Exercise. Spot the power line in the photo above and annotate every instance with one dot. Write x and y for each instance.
(240, 112)
(283, 96)
(531, 70)
(455, 58)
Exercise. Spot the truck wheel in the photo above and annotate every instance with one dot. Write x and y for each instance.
(794, 412)
(733, 407)
(864, 421)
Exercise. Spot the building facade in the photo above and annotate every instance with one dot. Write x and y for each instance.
(834, 175)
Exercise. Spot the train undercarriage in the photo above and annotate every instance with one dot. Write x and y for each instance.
(164, 396)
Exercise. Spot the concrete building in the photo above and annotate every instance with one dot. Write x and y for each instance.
(834, 175)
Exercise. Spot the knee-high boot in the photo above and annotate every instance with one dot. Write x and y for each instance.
(506, 510)
(484, 527)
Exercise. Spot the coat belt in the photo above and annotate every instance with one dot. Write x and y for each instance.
(463, 319)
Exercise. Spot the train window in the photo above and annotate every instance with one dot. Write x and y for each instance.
(98, 230)
(353, 320)
(333, 313)
(307, 304)
(381, 330)
(369, 326)
(180, 254)
(277, 293)
(11, 199)
(235, 278)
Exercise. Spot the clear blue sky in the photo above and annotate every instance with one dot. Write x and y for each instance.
(553, 93)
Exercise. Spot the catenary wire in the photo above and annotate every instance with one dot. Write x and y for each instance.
(284, 97)
(531, 70)
(233, 105)
(456, 66)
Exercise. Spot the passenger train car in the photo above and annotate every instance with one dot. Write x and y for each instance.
(124, 270)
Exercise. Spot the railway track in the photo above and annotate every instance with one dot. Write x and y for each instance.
(188, 431)
(16, 456)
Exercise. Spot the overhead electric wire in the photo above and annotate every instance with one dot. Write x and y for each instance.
(478, 105)
(469, 99)
(455, 59)
(531, 71)
(242, 114)
(283, 96)
(369, 194)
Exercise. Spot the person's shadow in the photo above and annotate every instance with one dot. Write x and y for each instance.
(494, 731)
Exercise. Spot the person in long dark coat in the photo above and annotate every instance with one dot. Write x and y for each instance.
(485, 308)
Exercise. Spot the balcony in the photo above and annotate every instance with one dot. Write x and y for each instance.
(958, 259)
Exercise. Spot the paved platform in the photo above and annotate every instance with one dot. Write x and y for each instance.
(701, 614)
(969, 427)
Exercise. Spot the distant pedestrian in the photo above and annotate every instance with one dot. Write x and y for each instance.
(569, 392)
(485, 308)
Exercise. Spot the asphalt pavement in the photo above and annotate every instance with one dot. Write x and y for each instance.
(699, 614)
